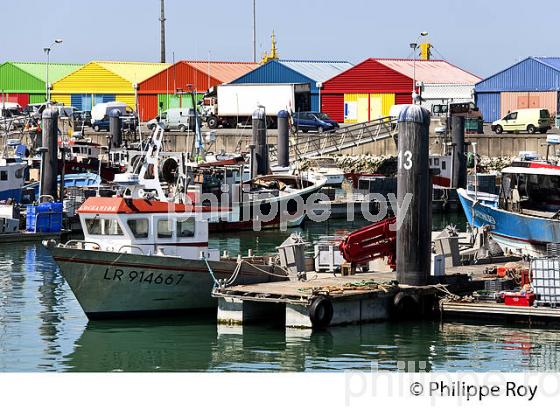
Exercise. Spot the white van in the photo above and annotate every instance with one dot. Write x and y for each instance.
(181, 119)
(529, 119)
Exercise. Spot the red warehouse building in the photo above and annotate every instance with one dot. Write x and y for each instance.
(164, 89)
(369, 89)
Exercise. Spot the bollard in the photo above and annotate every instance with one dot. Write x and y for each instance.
(49, 163)
(283, 139)
(459, 177)
(414, 233)
(259, 140)
(115, 127)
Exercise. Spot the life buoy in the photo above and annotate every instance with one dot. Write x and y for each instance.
(321, 312)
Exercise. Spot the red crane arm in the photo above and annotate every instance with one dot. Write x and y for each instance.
(371, 242)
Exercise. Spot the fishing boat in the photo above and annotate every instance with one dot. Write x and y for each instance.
(525, 216)
(325, 168)
(146, 257)
(270, 200)
(12, 175)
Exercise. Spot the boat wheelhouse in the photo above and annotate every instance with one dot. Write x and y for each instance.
(525, 216)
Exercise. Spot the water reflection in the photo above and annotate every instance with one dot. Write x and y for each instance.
(43, 328)
(196, 345)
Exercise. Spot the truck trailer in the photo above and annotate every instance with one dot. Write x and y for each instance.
(230, 105)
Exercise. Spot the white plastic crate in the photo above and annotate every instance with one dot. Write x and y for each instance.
(545, 279)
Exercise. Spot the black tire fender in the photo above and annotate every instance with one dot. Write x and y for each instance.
(321, 312)
(406, 305)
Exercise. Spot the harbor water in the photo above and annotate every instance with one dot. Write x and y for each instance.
(42, 328)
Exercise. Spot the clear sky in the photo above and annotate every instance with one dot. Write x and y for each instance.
(482, 36)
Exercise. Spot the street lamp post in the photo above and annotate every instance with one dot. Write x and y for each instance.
(47, 51)
(414, 47)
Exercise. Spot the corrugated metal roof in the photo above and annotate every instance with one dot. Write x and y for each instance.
(553, 62)
(38, 70)
(318, 71)
(224, 71)
(430, 71)
(134, 72)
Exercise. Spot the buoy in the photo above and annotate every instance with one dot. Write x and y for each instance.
(321, 312)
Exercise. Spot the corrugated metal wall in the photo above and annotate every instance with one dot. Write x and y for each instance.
(489, 105)
(147, 106)
(510, 101)
(333, 105)
(13, 79)
(527, 75)
(40, 98)
(65, 99)
(128, 99)
(380, 104)
(403, 98)
(362, 107)
(369, 76)
(94, 79)
(19, 98)
(178, 76)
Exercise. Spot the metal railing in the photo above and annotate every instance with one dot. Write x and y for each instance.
(315, 144)
(310, 145)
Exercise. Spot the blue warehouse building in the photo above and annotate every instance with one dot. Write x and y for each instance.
(313, 73)
(531, 83)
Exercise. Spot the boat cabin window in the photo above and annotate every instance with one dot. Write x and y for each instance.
(186, 228)
(164, 229)
(3, 175)
(102, 226)
(19, 173)
(140, 227)
(443, 165)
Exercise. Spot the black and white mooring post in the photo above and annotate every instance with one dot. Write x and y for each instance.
(260, 142)
(414, 240)
(283, 139)
(49, 162)
(115, 128)
(459, 177)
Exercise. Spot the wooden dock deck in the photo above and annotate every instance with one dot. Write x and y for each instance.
(363, 297)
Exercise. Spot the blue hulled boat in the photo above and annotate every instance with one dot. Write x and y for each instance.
(525, 216)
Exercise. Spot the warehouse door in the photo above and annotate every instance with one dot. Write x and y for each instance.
(363, 107)
(103, 98)
(375, 107)
(523, 102)
(82, 102)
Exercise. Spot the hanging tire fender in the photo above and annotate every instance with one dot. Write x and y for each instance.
(321, 311)
(406, 305)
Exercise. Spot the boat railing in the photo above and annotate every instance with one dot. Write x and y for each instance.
(131, 247)
(79, 244)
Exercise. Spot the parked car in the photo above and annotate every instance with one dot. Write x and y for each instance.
(181, 119)
(529, 119)
(129, 121)
(316, 121)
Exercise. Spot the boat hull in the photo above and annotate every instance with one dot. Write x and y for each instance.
(110, 284)
(515, 232)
